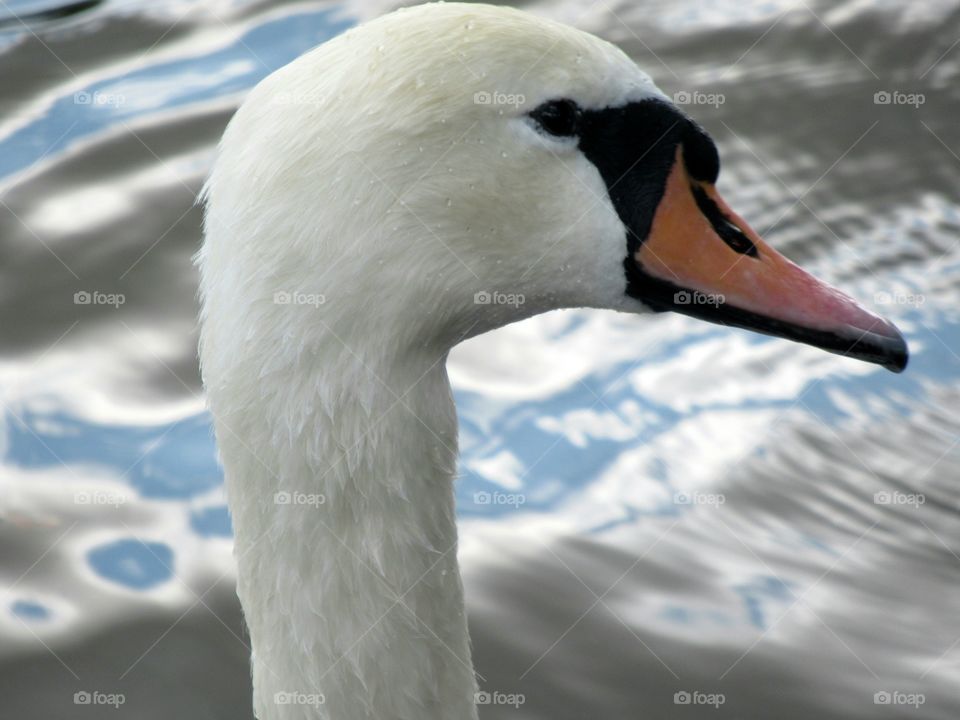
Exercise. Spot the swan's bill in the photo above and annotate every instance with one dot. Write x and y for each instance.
(701, 259)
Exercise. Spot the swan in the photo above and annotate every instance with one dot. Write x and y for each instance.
(434, 174)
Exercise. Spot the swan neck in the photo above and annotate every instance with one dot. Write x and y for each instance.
(346, 544)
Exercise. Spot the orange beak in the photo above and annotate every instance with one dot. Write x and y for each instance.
(701, 259)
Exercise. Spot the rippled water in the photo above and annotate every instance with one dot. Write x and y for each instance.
(649, 505)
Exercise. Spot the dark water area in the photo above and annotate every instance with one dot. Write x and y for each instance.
(695, 509)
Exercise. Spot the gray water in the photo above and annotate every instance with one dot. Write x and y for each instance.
(689, 509)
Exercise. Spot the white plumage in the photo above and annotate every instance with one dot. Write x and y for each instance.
(368, 184)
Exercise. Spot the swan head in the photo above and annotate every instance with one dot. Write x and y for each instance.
(450, 168)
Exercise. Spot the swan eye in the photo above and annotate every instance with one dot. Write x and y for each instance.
(558, 117)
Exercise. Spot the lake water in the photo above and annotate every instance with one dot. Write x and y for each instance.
(649, 505)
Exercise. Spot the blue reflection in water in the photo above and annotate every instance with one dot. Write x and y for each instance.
(676, 614)
(106, 103)
(132, 563)
(173, 461)
(553, 461)
(29, 610)
(761, 598)
(761, 592)
(212, 522)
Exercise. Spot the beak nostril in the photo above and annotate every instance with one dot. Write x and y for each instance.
(732, 235)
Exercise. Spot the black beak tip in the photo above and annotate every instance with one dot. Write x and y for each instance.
(899, 357)
(887, 350)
